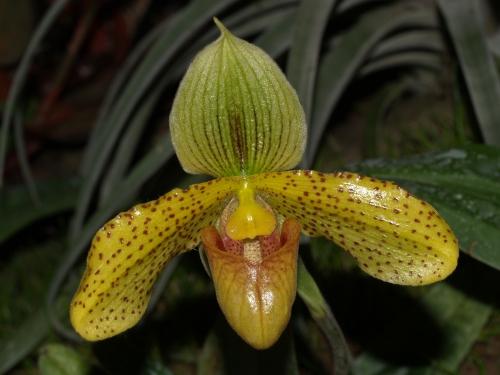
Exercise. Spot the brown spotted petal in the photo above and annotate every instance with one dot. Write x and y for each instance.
(130, 251)
(393, 235)
(255, 297)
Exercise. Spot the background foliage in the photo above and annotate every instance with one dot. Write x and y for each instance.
(405, 90)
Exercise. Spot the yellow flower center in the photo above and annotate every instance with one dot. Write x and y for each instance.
(250, 219)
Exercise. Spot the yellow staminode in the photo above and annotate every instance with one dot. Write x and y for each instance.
(250, 219)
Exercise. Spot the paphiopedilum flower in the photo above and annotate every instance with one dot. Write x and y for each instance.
(235, 117)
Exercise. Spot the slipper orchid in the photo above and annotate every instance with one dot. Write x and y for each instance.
(235, 117)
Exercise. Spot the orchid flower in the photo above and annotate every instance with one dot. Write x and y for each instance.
(235, 117)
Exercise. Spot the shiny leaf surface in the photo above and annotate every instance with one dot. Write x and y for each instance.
(308, 290)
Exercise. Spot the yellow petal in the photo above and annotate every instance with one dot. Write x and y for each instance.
(130, 251)
(393, 235)
(256, 298)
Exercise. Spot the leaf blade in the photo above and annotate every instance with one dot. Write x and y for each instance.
(463, 21)
(18, 210)
(312, 17)
(339, 65)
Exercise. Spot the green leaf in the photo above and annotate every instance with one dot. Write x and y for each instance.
(278, 37)
(21, 342)
(23, 158)
(459, 308)
(428, 60)
(463, 184)
(245, 23)
(461, 317)
(24, 340)
(18, 210)
(346, 5)
(412, 40)
(481, 76)
(321, 313)
(127, 146)
(258, 16)
(339, 65)
(304, 52)
(211, 360)
(117, 85)
(379, 107)
(494, 44)
(368, 364)
(57, 359)
(21, 75)
(24, 277)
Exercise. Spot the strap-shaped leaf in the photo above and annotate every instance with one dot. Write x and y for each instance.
(21, 75)
(339, 65)
(463, 18)
(305, 49)
(308, 290)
